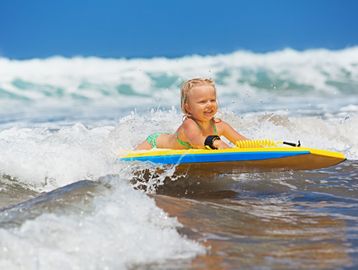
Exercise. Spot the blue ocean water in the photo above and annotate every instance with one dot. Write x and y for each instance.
(64, 121)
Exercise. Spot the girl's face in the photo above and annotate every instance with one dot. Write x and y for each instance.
(201, 102)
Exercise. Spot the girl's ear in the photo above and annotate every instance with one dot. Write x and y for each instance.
(186, 107)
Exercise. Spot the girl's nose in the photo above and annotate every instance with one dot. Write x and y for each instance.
(209, 103)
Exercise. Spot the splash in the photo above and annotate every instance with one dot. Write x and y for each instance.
(123, 228)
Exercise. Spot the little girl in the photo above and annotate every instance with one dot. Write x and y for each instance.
(200, 128)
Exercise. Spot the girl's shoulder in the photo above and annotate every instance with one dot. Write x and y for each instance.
(189, 126)
(189, 123)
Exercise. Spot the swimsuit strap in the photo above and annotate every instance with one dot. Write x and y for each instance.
(214, 127)
(181, 142)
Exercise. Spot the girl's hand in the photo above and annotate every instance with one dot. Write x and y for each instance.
(219, 144)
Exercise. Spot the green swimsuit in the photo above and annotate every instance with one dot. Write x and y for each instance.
(152, 139)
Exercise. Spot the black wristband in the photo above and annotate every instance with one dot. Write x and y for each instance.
(209, 141)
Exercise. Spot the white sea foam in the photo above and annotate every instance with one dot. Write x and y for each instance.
(47, 159)
(240, 74)
(125, 229)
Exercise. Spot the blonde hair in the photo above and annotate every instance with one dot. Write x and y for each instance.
(186, 86)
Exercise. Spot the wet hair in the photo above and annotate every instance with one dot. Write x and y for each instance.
(186, 86)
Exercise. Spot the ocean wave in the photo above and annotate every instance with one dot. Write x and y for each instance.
(120, 229)
(242, 74)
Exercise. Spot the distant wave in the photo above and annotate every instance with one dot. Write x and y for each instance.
(282, 73)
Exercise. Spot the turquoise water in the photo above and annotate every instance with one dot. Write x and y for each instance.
(67, 202)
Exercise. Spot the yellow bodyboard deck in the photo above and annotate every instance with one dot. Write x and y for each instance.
(239, 159)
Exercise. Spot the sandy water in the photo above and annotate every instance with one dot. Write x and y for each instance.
(285, 220)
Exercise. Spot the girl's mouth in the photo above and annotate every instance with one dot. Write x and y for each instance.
(208, 113)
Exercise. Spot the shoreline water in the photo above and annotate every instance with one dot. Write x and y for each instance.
(273, 220)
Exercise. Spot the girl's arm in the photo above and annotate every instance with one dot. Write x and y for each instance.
(231, 134)
(196, 138)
